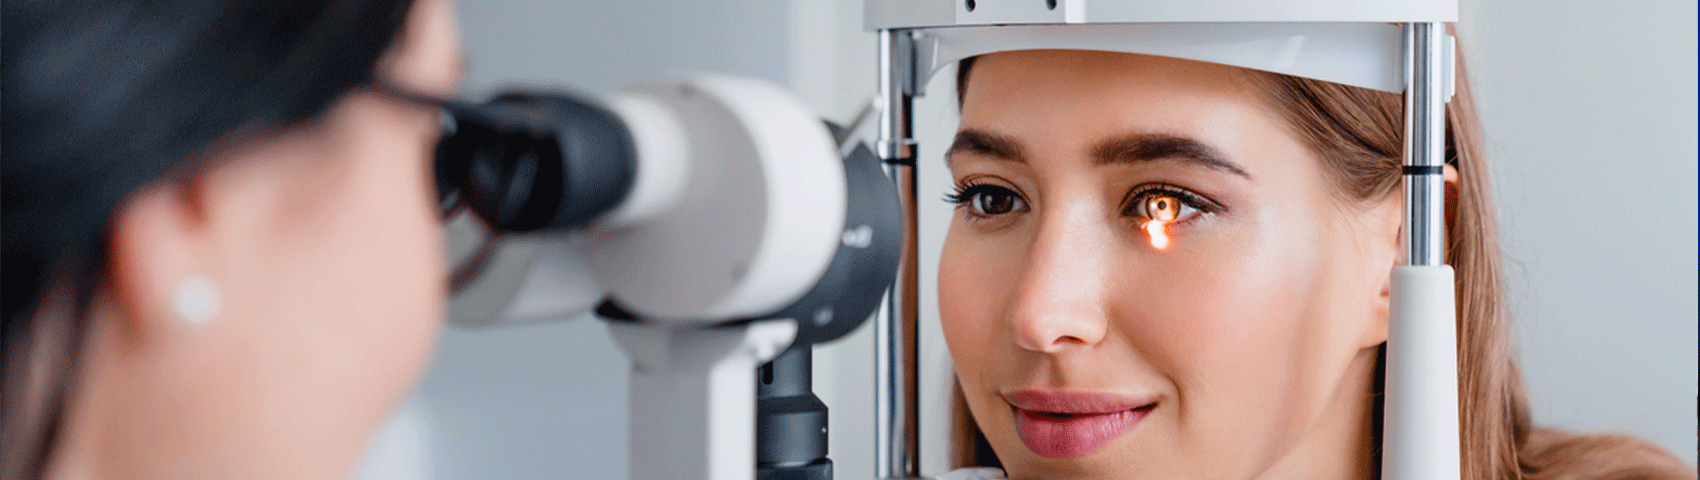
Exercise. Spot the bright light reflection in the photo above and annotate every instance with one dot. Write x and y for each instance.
(1159, 238)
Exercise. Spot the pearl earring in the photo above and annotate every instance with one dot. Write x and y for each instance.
(197, 300)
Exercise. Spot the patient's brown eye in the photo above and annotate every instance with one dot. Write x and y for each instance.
(983, 200)
(1163, 208)
(1166, 204)
(990, 203)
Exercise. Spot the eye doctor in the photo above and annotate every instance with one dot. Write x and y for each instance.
(221, 244)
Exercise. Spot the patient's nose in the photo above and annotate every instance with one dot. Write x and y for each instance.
(1058, 302)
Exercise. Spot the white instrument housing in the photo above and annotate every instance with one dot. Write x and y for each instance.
(1343, 41)
(754, 227)
(736, 209)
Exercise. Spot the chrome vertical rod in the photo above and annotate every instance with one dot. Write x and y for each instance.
(1420, 433)
(896, 415)
(1425, 135)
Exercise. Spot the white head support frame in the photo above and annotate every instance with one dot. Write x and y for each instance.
(1398, 46)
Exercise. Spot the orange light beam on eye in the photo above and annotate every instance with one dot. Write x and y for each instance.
(1159, 238)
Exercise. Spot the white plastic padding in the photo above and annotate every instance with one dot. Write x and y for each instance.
(1369, 55)
(1420, 439)
(883, 14)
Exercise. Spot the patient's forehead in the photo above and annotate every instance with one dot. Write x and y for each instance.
(1068, 96)
(1104, 90)
(1009, 73)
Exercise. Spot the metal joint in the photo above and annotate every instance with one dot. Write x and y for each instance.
(896, 91)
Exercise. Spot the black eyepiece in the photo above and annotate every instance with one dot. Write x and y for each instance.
(529, 161)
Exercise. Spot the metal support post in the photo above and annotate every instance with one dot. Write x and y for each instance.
(896, 429)
(693, 413)
(1420, 435)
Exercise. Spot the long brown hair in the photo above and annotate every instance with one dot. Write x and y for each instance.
(1358, 134)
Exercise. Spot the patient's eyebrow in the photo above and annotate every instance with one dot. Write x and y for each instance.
(1126, 149)
(1146, 147)
(981, 142)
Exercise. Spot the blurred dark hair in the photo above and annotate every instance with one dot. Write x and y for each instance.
(103, 97)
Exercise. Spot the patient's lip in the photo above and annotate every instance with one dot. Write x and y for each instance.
(1071, 424)
(1076, 402)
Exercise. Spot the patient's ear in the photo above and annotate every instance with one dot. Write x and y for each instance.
(1451, 175)
(1389, 217)
(159, 240)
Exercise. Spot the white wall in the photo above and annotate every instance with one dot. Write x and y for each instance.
(1590, 117)
(1591, 120)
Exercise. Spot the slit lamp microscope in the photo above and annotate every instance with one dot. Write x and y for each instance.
(720, 228)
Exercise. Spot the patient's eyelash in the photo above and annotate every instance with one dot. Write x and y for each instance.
(961, 192)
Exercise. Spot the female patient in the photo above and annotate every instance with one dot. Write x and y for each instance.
(221, 247)
(1170, 269)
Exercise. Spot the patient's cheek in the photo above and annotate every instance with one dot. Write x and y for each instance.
(967, 299)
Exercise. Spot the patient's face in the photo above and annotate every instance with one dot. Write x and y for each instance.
(1148, 275)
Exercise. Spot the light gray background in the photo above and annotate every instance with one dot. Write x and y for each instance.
(1590, 113)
